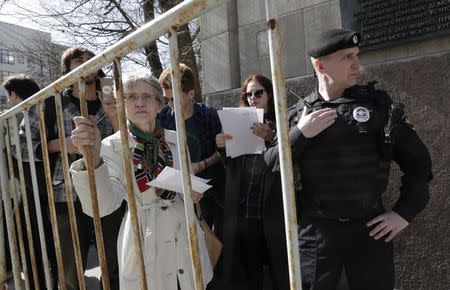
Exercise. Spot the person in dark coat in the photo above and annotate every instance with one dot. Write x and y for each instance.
(345, 136)
(254, 233)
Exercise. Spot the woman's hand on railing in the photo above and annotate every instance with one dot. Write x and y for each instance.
(221, 138)
(87, 133)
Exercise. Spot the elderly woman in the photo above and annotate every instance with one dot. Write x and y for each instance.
(254, 225)
(160, 212)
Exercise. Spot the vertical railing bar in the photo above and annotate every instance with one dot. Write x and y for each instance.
(2, 239)
(26, 209)
(37, 202)
(51, 196)
(69, 191)
(4, 180)
(3, 175)
(126, 155)
(276, 50)
(94, 197)
(184, 160)
(15, 193)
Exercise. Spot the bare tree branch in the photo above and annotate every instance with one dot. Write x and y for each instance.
(97, 24)
(3, 2)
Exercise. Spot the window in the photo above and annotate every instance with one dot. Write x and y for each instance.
(20, 58)
(4, 75)
(6, 56)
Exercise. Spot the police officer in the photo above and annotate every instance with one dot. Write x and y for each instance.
(345, 137)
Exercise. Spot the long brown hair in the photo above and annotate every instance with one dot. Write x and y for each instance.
(267, 85)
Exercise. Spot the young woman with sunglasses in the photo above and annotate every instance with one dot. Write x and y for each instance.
(254, 225)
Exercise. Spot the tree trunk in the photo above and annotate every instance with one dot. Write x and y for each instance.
(151, 49)
(185, 48)
(187, 56)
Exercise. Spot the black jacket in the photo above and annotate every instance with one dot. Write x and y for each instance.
(408, 151)
(273, 217)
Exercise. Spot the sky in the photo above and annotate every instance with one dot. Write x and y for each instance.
(11, 13)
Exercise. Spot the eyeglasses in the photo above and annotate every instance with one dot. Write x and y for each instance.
(258, 94)
(145, 98)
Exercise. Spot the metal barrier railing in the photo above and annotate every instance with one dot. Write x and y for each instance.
(276, 50)
(166, 23)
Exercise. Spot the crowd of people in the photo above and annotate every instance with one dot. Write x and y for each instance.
(343, 137)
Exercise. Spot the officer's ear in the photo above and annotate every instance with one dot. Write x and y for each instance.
(317, 64)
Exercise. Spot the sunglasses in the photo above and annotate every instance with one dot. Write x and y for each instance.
(258, 94)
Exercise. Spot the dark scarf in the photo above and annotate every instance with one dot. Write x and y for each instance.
(151, 155)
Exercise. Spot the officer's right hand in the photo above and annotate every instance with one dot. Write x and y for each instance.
(221, 138)
(311, 124)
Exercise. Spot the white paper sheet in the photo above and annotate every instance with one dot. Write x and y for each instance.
(237, 122)
(170, 179)
(171, 139)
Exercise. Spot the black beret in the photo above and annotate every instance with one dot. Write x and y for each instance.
(329, 41)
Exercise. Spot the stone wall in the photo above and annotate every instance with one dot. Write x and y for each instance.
(422, 251)
(415, 73)
(234, 40)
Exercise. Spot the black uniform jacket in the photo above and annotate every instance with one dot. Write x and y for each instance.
(408, 151)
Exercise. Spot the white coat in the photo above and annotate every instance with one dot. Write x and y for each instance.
(162, 223)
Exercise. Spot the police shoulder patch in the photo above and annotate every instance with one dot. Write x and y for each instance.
(408, 123)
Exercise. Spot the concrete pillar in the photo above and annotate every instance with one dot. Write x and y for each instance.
(220, 49)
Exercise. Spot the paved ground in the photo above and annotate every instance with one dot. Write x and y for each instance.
(91, 275)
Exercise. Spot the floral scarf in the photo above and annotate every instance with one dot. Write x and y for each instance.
(151, 155)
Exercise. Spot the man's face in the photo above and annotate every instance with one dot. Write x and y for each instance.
(76, 62)
(342, 67)
(13, 99)
(168, 95)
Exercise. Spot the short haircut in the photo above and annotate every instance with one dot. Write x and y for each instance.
(131, 80)
(187, 78)
(23, 85)
(266, 84)
(74, 52)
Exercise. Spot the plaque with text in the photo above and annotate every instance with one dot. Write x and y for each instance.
(385, 23)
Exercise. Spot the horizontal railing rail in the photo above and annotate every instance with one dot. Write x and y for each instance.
(151, 31)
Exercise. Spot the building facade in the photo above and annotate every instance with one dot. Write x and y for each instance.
(409, 56)
(21, 51)
(235, 44)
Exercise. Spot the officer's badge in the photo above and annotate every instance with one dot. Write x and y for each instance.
(361, 114)
(355, 39)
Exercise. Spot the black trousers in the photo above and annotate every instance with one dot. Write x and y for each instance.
(254, 254)
(86, 234)
(35, 240)
(328, 246)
